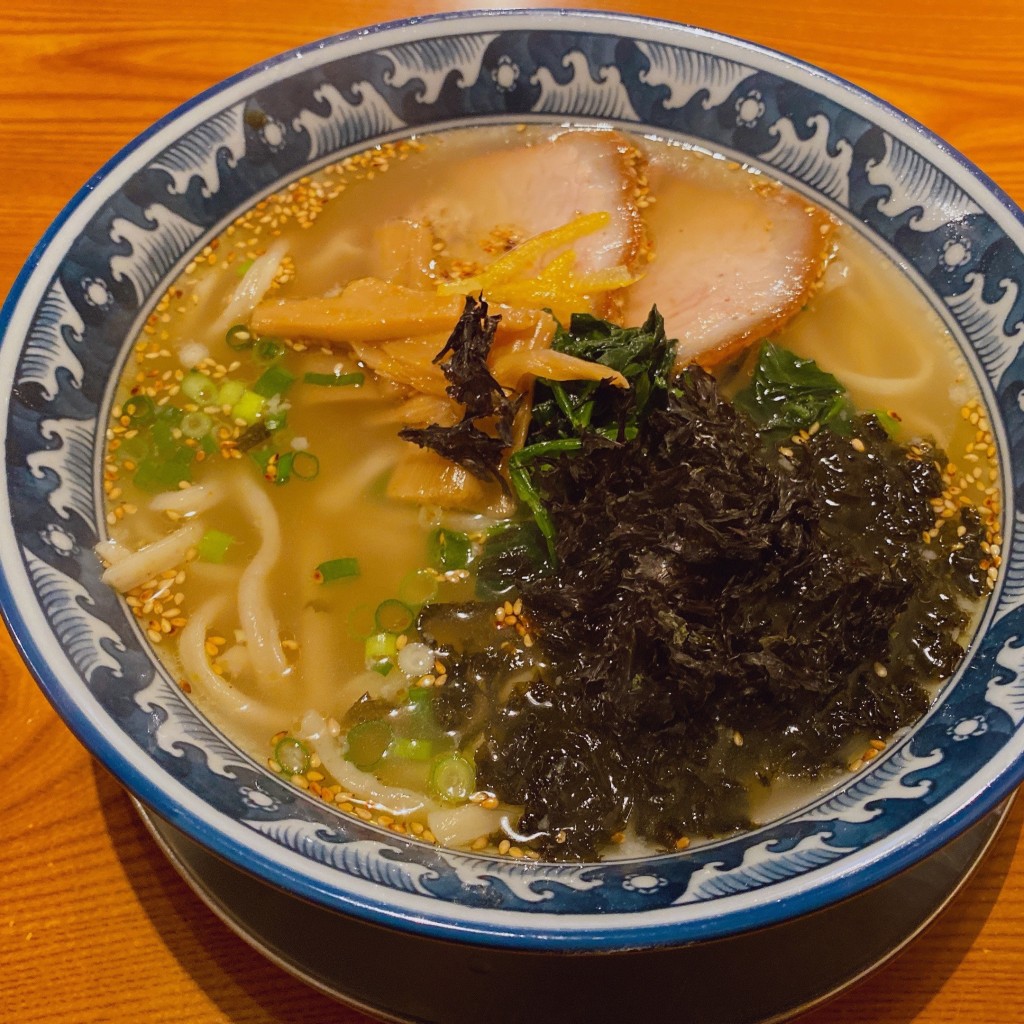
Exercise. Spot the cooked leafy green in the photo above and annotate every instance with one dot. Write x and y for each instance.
(512, 552)
(643, 355)
(788, 393)
(565, 412)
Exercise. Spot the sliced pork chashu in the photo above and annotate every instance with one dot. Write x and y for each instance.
(493, 201)
(731, 264)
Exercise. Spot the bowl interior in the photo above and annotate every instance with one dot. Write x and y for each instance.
(97, 274)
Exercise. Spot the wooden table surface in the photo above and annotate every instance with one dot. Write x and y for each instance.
(94, 924)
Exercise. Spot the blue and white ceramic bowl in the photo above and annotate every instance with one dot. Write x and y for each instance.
(101, 267)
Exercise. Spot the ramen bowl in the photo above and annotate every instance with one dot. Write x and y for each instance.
(77, 308)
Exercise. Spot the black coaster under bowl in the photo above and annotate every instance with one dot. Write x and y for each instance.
(754, 978)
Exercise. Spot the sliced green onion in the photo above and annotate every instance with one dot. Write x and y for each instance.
(249, 407)
(283, 467)
(336, 569)
(139, 409)
(137, 447)
(161, 436)
(262, 457)
(158, 474)
(393, 616)
(889, 423)
(418, 587)
(335, 380)
(367, 743)
(200, 388)
(452, 779)
(196, 425)
(239, 337)
(380, 645)
(275, 380)
(305, 465)
(291, 754)
(230, 392)
(382, 667)
(168, 414)
(213, 545)
(411, 749)
(420, 697)
(266, 350)
(449, 550)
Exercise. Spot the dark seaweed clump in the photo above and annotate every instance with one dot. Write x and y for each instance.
(479, 440)
(721, 611)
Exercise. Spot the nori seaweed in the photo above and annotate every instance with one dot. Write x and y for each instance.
(479, 440)
(709, 586)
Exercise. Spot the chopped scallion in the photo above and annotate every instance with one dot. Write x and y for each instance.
(275, 380)
(449, 549)
(249, 407)
(267, 350)
(890, 424)
(335, 380)
(305, 465)
(452, 779)
(137, 447)
(262, 456)
(280, 467)
(156, 474)
(168, 414)
(162, 438)
(199, 388)
(230, 392)
(196, 425)
(420, 697)
(291, 754)
(418, 587)
(213, 546)
(239, 338)
(380, 645)
(367, 743)
(139, 409)
(336, 569)
(409, 749)
(393, 616)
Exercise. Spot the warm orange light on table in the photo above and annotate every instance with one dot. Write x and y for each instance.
(94, 923)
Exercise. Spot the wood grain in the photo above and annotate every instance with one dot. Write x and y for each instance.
(98, 927)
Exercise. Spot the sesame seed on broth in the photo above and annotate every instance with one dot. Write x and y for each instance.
(345, 548)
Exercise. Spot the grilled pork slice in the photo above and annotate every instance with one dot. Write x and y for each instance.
(730, 265)
(494, 201)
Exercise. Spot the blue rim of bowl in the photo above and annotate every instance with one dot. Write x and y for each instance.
(882, 867)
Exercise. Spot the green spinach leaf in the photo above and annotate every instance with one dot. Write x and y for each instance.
(643, 355)
(788, 394)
